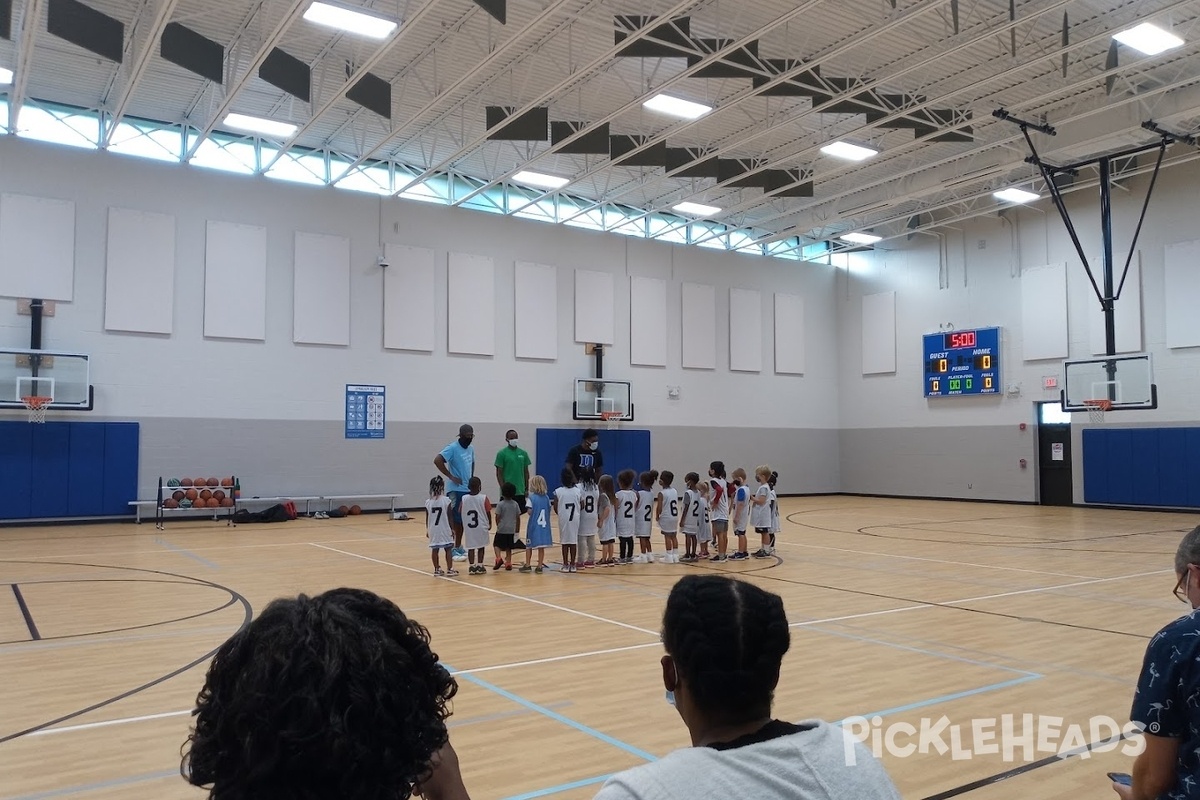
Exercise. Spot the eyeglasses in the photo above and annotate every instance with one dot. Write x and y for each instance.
(1180, 590)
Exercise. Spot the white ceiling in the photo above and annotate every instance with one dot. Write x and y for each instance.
(450, 59)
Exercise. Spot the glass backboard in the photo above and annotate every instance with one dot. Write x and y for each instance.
(1126, 381)
(596, 397)
(63, 377)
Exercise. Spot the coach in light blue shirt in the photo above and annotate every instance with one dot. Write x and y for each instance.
(457, 463)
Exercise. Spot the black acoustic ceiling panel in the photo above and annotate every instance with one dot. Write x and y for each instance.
(698, 164)
(372, 93)
(666, 39)
(195, 53)
(594, 142)
(88, 28)
(6, 19)
(786, 183)
(740, 63)
(288, 73)
(532, 126)
(654, 156)
(497, 8)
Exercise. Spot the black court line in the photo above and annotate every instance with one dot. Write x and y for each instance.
(1021, 770)
(33, 631)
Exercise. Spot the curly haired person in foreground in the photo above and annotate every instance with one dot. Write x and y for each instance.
(333, 697)
(725, 641)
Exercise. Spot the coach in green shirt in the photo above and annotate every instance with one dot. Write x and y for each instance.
(512, 466)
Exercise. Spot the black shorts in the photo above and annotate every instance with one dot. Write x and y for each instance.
(762, 530)
(504, 540)
(521, 502)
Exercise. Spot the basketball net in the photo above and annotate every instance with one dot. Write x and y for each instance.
(612, 419)
(37, 408)
(1096, 409)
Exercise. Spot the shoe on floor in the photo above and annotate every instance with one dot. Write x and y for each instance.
(450, 573)
(538, 570)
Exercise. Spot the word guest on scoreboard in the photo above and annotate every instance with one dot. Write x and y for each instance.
(962, 362)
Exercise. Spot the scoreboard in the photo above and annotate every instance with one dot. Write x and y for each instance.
(962, 362)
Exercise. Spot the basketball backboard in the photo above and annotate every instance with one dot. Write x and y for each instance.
(1126, 381)
(63, 377)
(596, 397)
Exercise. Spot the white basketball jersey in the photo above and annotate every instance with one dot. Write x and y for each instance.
(740, 513)
(627, 506)
(567, 501)
(718, 495)
(690, 523)
(668, 521)
(589, 502)
(644, 520)
(475, 520)
(437, 522)
(704, 525)
(760, 515)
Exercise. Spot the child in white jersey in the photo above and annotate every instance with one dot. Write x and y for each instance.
(740, 514)
(477, 522)
(606, 521)
(643, 524)
(718, 501)
(566, 506)
(437, 526)
(627, 506)
(704, 525)
(589, 501)
(689, 516)
(760, 511)
(774, 509)
(667, 511)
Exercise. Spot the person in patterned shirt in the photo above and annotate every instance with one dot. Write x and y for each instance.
(1166, 704)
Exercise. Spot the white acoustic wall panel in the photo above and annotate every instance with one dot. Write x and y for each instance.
(536, 307)
(1044, 312)
(1127, 311)
(745, 330)
(879, 333)
(235, 281)
(648, 322)
(408, 299)
(1182, 281)
(699, 326)
(321, 289)
(139, 276)
(789, 334)
(594, 307)
(37, 240)
(472, 305)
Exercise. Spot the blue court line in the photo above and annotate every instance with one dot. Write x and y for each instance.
(185, 553)
(95, 787)
(946, 698)
(563, 787)
(922, 651)
(546, 712)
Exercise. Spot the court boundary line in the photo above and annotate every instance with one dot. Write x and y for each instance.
(29, 624)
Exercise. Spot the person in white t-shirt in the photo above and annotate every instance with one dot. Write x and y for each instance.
(725, 641)
(566, 506)
(704, 525)
(718, 503)
(760, 511)
(627, 504)
(437, 526)
(689, 516)
(667, 511)
(589, 518)
(741, 513)
(643, 524)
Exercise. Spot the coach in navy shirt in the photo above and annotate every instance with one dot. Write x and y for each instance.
(1167, 701)
(585, 458)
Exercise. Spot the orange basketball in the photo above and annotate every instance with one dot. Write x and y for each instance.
(191, 494)
(213, 481)
(200, 481)
(355, 510)
(344, 509)
(170, 503)
(227, 502)
(177, 496)
(227, 482)
(205, 494)
(218, 495)
(185, 482)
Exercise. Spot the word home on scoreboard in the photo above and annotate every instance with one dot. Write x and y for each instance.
(962, 362)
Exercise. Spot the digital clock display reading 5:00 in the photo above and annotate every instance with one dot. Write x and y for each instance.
(962, 363)
(960, 339)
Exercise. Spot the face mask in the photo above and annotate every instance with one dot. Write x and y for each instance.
(671, 699)
(512, 442)
(594, 446)
(464, 442)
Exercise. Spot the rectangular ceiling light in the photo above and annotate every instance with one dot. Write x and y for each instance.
(1013, 195)
(697, 209)
(267, 127)
(676, 107)
(850, 152)
(540, 180)
(861, 238)
(1148, 39)
(6, 76)
(344, 19)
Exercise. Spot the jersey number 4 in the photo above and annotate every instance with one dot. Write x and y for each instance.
(541, 520)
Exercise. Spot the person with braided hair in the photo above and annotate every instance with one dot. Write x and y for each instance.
(336, 696)
(725, 640)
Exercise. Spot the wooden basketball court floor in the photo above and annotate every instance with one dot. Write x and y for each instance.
(902, 609)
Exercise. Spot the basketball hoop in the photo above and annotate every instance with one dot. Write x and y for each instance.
(1096, 409)
(612, 419)
(37, 407)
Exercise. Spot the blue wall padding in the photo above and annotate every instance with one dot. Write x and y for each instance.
(1142, 466)
(67, 469)
(622, 449)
